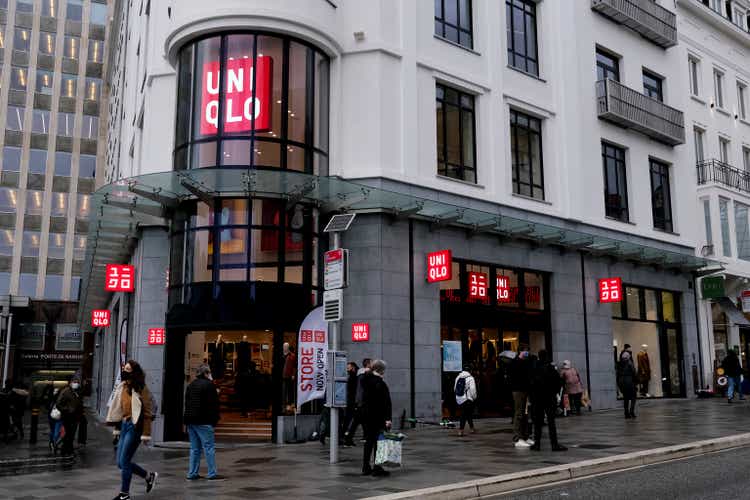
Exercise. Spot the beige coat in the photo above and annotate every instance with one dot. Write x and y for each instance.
(140, 407)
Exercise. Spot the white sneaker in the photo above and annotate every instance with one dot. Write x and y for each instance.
(522, 444)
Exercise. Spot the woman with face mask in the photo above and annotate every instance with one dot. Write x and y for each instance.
(70, 404)
(131, 412)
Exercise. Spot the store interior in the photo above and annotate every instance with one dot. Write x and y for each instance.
(643, 338)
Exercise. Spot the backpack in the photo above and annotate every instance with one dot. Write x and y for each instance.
(461, 387)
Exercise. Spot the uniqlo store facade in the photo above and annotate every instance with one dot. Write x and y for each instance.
(227, 253)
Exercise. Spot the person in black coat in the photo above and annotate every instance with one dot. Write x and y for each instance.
(733, 372)
(201, 416)
(545, 386)
(626, 381)
(375, 405)
(519, 377)
(351, 401)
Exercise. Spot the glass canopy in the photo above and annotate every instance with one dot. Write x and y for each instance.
(121, 208)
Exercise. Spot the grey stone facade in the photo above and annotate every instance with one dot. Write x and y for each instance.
(379, 294)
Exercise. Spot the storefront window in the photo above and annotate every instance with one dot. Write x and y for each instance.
(632, 296)
(263, 105)
(668, 306)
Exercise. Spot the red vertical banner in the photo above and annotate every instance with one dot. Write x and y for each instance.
(610, 290)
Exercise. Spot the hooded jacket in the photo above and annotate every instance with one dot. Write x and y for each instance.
(470, 393)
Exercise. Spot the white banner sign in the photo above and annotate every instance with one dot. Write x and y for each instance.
(452, 356)
(312, 358)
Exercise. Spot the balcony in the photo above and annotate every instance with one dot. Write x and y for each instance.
(645, 17)
(717, 172)
(628, 108)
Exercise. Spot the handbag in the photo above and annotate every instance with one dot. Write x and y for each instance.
(55, 414)
(388, 451)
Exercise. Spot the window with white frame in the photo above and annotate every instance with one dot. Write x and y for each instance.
(698, 135)
(694, 75)
(724, 148)
(746, 158)
(719, 88)
(742, 100)
(742, 231)
(726, 244)
(707, 222)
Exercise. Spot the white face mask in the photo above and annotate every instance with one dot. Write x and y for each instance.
(75, 386)
(209, 377)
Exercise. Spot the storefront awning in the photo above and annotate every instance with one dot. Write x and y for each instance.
(119, 209)
(733, 313)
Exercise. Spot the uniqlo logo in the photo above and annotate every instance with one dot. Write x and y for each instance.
(320, 336)
(360, 332)
(156, 336)
(100, 318)
(610, 290)
(119, 278)
(306, 336)
(503, 290)
(477, 285)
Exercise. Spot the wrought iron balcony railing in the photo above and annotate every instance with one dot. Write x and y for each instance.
(722, 173)
(631, 109)
(646, 17)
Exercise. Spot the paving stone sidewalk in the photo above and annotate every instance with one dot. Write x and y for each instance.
(432, 456)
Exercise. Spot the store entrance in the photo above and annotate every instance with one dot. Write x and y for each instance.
(242, 366)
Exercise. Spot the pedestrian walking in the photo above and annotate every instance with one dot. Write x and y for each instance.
(375, 405)
(733, 372)
(545, 386)
(357, 419)
(626, 380)
(49, 396)
(519, 374)
(201, 416)
(18, 398)
(465, 388)
(351, 401)
(131, 412)
(573, 386)
(70, 404)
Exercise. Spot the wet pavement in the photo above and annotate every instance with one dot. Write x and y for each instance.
(431, 456)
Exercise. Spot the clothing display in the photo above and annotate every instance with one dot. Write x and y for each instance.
(644, 372)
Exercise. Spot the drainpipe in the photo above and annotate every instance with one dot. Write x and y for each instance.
(585, 324)
(698, 329)
(412, 349)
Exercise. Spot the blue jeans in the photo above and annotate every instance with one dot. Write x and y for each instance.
(130, 438)
(201, 438)
(734, 385)
(54, 429)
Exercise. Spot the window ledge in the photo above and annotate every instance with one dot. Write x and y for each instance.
(723, 111)
(742, 120)
(458, 45)
(620, 221)
(461, 181)
(698, 99)
(531, 198)
(531, 75)
(671, 233)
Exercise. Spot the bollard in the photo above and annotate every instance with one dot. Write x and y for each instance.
(34, 425)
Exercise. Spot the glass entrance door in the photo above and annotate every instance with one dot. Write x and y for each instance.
(672, 368)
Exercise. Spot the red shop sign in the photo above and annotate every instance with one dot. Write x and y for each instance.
(100, 317)
(610, 290)
(503, 290)
(156, 336)
(477, 285)
(439, 266)
(239, 107)
(119, 278)
(360, 332)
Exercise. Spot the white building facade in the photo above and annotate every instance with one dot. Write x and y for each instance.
(542, 143)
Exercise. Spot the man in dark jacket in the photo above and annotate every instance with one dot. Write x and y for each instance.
(351, 401)
(70, 404)
(545, 386)
(201, 416)
(375, 405)
(519, 374)
(626, 380)
(733, 371)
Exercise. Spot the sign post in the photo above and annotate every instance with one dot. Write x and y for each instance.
(337, 225)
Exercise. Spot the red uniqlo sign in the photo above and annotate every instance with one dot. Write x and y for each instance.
(439, 266)
(503, 289)
(477, 285)
(610, 290)
(360, 332)
(119, 278)
(100, 318)
(156, 336)
(239, 107)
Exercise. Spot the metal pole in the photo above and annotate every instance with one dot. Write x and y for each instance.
(7, 348)
(334, 420)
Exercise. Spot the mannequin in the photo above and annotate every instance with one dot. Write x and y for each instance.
(243, 355)
(644, 370)
(217, 361)
(289, 373)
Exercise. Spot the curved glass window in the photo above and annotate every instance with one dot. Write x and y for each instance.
(243, 239)
(252, 101)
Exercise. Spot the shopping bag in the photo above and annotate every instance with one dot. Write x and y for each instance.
(585, 400)
(388, 451)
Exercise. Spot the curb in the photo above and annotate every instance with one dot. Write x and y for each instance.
(507, 482)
